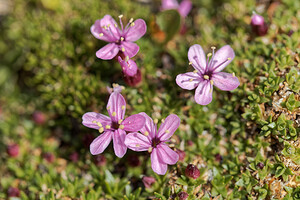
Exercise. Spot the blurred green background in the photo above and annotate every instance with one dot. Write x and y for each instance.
(245, 142)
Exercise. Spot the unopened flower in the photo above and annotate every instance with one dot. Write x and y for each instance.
(13, 150)
(74, 157)
(181, 154)
(154, 142)
(49, 157)
(258, 24)
(100, 160)
(129, 67)
(39, 117)
(260, 165)
(183, 195)
(183, 8)
(113, 127)
(208, 73)
(148, 181)
(133, 80)
(192, 171)
(120, 38)
(13, 192)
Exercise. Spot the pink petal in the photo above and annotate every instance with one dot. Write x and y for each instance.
(150, 128)
(119, 145)
(169, 4)
(134, 122)
(185, 7)
(156, 163)
(167, 129)
(203, 94)
(169, 156)
(129, 67)
(116, 106)
(130, 48)
(100, 143)
(225, 81)
(100, 33)
(137, 142)
(221, 59)
(197, 56)
(108, 52)
(137, 31)
(188, 80)
(90, 120)
(109, 22)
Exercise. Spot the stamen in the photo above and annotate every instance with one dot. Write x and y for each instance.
(137, 145)
(120, 121)
(94, 121)
(101, 130)
(209, 54)
(107, 127)
(120, 17)
(191, 79)
(233, 74)
(99, 124)
(163, 120)
(101, 34)
(150, 149)
(190, 63)
(213, 48)
(114, 114)
(195, 71)
(206, 77)
(132, 24)
(211, 82)
(171, 145)
(126, 58)
(121, 126)
(146, 133)
(123, 107)
(116, 25)
(229, 58)
(167, 131)
(108, 108)
(131, 20)
(123, 49)
(122, 38)
(155, 121)
(210, 91)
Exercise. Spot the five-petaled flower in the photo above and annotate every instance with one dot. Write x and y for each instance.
(208, 73)
(154, 142)
(120, 39)
(183, 8)
(113, 127)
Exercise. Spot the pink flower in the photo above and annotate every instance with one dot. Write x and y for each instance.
(120, 39)
(129, 67)
(258, 24)
(208, 73)
(113, 127)
(183, 8)
(154, 142)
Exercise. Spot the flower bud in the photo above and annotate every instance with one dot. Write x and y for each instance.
(260, 165)
(39, 117)
(218, 158)
(148, 181)
(192, 171)
(13, 192)
(13, 150)
(133, 80)
(129, 67)
(259, 26)
(181, 154)
(49, 157)
(100, 160)
(183, 195)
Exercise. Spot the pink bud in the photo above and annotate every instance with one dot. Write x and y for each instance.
(192, 171)
(74, 157)
(133, 80)
(148, 181)
(181, 154)
(260, 165)
(13, 192)
(129, 67)
(259, 26)
(49, 157)
(39, 117)
(13, 150)
(100, 160)
(183, 195)
(257, 20)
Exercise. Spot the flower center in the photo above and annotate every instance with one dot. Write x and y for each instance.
(155, 142)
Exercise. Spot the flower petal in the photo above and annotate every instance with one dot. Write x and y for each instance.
(188, 80)
(225, 81)
(167, 129)
(150, 128)
(221, 59)
(111, 25)
(116, 106)
(185, 7)
(169, 156)
(134, 123)
(131, 49)
(136, 31)
(169, 4)
(137, 142)
(157, 165)
(119, 145)
(108, 52)
(100, 143)
(129, 67)
(197, 56)
(100, 33)
(203, 94)
(93, 120)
